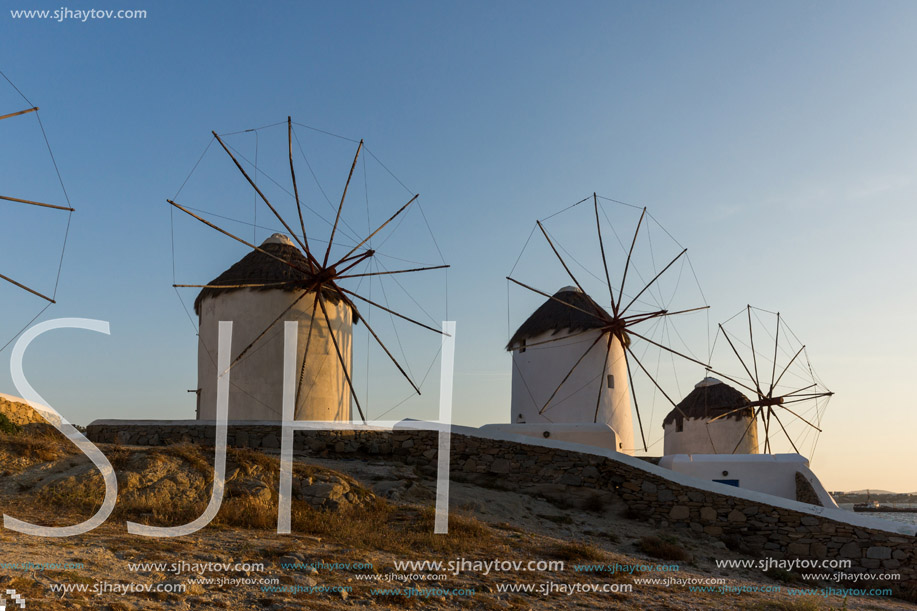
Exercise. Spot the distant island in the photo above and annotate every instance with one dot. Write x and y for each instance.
(881, 496)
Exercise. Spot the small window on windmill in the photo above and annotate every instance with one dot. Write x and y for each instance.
(522, 347)
(679, 425)
(611, 381)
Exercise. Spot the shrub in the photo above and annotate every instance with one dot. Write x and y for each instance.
(7, 426)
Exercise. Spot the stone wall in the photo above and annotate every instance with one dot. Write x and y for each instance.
(745, 519)
(20, 413)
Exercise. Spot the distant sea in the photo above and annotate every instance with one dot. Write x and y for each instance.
(907, 518)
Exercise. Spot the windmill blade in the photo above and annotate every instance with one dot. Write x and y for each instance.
(31, 203)
(629, 253)
(361, 256)
(569, 373)
(638, 318)
(341, 206)
(337, 349)
(370, 236)
(731, 412)
(650, 283)
(633, 393)
(655, 383)
(751, 377)
(393, 312)
(238, 239)
(395, 271)
(753, 421)
(754, 356)
(559, 258)
(305, 355)
(558, 339)
(731, 379)
(302, 223)
(788, 365)
(379, 341)
(25, 288)
(807, 397)
(789, 394)
(598, 226)
(776, 344)
(598, 399)
(675, 352)
(790, 439)
(21, 112)
(261, 195)
(354, 261)
(569, 305)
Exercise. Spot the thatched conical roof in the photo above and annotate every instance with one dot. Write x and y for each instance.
(259, 268)
(554, 317)
(709, 399)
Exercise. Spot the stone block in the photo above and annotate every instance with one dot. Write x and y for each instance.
(798, 549)
(851, 550)
(708, 514)
(680, 512)
(500, 465)
(879, 552)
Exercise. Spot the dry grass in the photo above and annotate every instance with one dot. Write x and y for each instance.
(575, 552)
(662, 549)
(380, 525)
(802, 603)
(35, 442)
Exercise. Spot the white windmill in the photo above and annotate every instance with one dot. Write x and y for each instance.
(286, 279)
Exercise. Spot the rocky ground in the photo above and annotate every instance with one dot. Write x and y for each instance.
(353, 520)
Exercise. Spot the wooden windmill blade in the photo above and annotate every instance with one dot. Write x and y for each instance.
(302, 222)
(313, 273)
(27, 289)
(6, 199)
(19, 113)
(616, 327)
(775, 390)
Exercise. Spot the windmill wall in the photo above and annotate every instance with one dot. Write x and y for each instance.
(700, 436)
(256, 381)
(538, 370)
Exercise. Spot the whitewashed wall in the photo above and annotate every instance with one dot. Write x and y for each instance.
(700, 436)
(256, 382)
(538, 370)
(773, 474)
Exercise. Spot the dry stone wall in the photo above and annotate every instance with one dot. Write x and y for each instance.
(566, 476)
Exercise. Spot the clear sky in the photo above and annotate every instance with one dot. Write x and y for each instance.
(777, 141)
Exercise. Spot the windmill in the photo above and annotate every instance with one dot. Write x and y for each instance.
(313, 283)
(10, 121)
(591, 350)
(776, 371)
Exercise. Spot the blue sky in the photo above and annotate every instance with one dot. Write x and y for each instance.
(777, 141)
